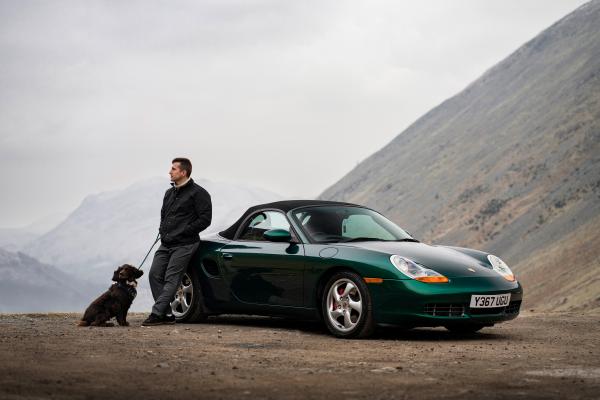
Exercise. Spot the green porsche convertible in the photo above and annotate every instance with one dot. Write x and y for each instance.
(347, 265)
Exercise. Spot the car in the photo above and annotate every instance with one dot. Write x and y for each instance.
(347, 265)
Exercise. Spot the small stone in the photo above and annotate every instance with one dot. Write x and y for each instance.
(162, 365)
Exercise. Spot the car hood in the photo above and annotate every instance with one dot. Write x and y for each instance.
(446, 261)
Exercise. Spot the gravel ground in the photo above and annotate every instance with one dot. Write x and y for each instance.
(536, 356)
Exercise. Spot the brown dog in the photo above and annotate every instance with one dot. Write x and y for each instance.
(115, 302)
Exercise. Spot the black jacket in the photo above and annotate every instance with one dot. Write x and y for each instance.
(186, 211)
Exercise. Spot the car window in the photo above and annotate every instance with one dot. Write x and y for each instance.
(330, 224)
(262, 222)
(357, 225)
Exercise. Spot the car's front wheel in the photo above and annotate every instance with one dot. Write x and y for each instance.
(346, 306)
(187, 305)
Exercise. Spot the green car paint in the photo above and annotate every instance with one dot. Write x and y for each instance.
(271, 277)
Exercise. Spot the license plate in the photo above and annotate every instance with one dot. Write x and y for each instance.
(489, 301)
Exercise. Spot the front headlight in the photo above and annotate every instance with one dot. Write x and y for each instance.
(500, 267)
(413, 270)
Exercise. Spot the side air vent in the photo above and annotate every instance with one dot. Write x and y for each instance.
(210, 267)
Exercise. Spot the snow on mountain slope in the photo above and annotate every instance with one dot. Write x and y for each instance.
(112, 228)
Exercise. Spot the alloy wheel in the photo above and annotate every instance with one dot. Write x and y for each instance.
(344, 305)
(183, 297)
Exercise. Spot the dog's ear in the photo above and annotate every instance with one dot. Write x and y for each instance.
(116, 274)
(138, 273)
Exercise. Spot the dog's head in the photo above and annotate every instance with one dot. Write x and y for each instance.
(127, 274)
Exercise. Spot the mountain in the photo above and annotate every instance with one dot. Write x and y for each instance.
(28, 285)
(112, 228)
(510, 165)
(14, 239)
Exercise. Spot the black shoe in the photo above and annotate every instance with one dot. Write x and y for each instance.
(153, 320)
(169, 319)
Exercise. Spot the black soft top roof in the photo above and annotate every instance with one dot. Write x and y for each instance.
(284, 206)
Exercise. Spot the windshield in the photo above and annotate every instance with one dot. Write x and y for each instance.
(332, 224)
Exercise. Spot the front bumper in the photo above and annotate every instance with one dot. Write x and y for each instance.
(413, 303)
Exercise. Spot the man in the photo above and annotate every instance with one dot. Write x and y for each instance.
(186, 211)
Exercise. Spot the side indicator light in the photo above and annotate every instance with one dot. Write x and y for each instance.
(373, 280)
(432, 279)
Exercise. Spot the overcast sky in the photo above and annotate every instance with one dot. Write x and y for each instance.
(284, 95)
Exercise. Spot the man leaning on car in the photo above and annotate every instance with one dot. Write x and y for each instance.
(186, 211)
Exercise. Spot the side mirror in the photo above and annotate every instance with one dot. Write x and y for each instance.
(278, 235)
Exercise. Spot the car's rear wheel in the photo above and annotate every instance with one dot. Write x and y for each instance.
(465, 329)
(187, 305)
(346, 306)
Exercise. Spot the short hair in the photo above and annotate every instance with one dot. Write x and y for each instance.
(184, 164)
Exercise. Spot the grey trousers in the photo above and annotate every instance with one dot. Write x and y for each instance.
(168, 266)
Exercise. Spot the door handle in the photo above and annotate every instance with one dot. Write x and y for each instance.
(227, 256)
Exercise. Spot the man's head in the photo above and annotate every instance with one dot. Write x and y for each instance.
(181, 170)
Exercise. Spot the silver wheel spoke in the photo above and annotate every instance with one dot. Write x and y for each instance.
(184, 306)
(347, 321)
(335, 314)
(348, 289)
(335, 292)
(187, 289)
(355, 305)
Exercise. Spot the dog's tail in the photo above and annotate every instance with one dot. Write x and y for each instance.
(83, 322)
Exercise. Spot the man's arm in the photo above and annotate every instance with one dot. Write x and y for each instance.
(203, 208)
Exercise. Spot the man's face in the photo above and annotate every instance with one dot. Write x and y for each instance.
(177, 174)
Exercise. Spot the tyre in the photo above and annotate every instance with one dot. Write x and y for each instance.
(346, 306)
(187, 305)
(464, 329)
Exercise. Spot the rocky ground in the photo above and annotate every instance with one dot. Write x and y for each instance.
(538, 355)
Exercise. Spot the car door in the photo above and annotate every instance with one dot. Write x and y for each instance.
(263, 272)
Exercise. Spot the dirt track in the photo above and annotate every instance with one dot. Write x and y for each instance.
(536, 356)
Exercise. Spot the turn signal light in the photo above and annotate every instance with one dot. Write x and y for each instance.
(373, 280)
(432, 279)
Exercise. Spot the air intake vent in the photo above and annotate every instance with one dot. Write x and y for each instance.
(445, 310)
(210, 267)
(512, 308)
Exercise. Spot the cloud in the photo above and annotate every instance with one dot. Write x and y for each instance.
(285, 95)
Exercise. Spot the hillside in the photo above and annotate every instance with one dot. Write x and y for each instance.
(510, 165)
(28, 285)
